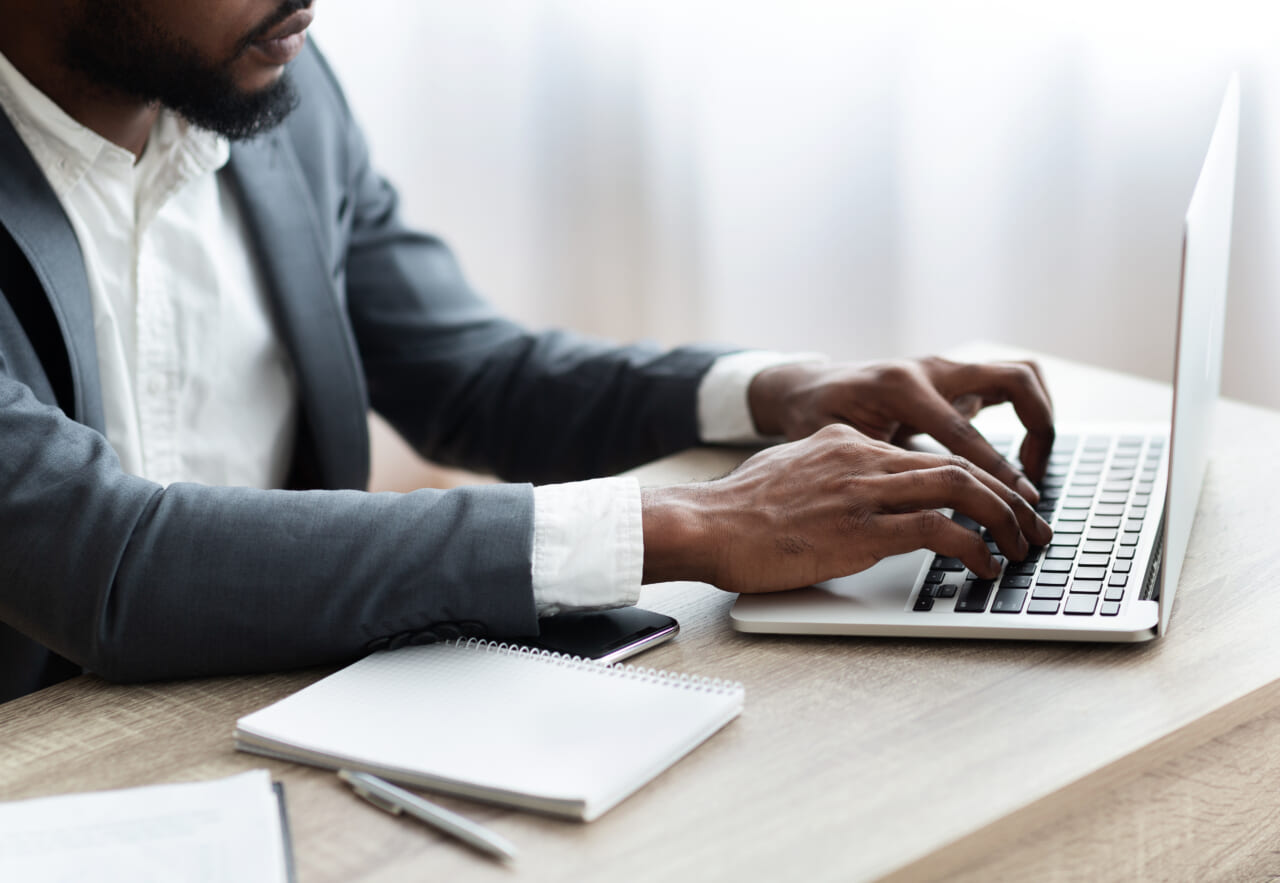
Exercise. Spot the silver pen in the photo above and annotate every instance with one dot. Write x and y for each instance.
(394, 800)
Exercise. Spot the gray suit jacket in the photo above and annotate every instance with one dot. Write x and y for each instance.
(104, 571)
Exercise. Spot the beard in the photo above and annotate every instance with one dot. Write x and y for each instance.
(117, 47)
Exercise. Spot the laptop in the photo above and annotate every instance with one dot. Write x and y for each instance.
(1121, 499)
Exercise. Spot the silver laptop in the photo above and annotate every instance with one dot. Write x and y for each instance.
(1121, 499)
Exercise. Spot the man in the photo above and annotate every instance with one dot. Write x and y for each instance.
(204, 287)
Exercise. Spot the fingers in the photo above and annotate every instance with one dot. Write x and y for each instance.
(1021, 384)
(930, 412)
(929, 482)
(930, 529)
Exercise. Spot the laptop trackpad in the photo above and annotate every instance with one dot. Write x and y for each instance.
(887, 584)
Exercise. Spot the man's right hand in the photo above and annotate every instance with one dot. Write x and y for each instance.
(827, 506)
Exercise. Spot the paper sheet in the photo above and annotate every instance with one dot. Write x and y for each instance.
(202, 832)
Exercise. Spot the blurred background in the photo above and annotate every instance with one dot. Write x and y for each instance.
(865, 178)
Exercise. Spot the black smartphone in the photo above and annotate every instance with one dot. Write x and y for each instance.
(604, 635)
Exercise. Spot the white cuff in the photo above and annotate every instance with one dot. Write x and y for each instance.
(588, 545)
(724, 414)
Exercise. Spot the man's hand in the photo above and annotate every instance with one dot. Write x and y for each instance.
(891, 401)
(829, 505)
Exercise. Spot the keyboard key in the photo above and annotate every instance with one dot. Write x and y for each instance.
(966, 522)
(1020, 568)
(1098, 548)
(946, 590)
(1091, 560)
(1042, 606)
(1091, 573)
(1060, 553)
(1114, 595)
(1141, 499)
(1077, 515)
(1077, 503)
(1109, 509)
(1056, 565)
(1122, 567)
(1009, 601)
(924, 602)
(1145, 488)
(1068, 527)
(1129, 539)
(1108, 497)
(1097, 535)
(1110, 608)
(1081, 605)
(973, 598)
(1138, 512)
(1051, 579)
(1105, 521)
(1011, 581)
(1126, 552)
(1066, 539)
(1115, 487)
(1053, 593)
(951, 564)
(1118, 579)
(935, 576)
(1133, 526)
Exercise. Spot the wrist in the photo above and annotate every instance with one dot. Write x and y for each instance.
(768, 395)
(676, 546)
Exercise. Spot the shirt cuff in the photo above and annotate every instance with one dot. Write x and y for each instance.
(588, 545)
(724, 414)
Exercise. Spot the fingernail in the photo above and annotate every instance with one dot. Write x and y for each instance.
(1045, 531)
(1028, 490)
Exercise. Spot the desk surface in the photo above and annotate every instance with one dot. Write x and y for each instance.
(854, 758)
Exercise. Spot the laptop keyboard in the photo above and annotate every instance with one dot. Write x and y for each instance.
(1097, 495)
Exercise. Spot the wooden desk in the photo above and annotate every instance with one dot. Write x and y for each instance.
(855, 758)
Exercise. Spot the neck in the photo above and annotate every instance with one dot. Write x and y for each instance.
(34, 51)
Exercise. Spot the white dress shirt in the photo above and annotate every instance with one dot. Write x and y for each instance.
(196, 384)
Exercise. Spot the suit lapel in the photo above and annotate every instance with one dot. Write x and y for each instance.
(279, 210)
(31, 213)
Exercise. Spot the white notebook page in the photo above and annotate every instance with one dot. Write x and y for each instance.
(529, 724)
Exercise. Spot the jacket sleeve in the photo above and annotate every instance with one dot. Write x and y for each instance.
(136, 581)
(468, 387)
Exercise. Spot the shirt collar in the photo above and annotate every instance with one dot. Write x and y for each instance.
(66, 150)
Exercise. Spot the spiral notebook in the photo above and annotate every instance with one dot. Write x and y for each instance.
(493, 722)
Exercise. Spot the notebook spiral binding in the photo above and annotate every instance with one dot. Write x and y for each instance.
(630, 672)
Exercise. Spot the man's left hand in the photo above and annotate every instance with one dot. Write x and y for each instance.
(892, 401)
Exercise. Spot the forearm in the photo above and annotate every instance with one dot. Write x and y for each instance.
(136, 581)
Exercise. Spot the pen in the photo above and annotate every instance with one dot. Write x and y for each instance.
(394, 800)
